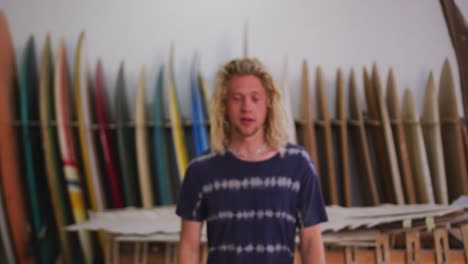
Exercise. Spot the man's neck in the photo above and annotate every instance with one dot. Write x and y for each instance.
(245, 145)
(253, 148)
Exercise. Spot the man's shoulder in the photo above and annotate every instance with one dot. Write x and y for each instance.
(300, 155)
(295, 151)
(202, 166)
(207, 158)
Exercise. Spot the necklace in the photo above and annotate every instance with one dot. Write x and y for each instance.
(251, 154)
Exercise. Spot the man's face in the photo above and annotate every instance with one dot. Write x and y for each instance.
(246, 105)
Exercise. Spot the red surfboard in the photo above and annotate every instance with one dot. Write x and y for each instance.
(104, 138)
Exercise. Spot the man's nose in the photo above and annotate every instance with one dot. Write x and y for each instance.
(246, 104)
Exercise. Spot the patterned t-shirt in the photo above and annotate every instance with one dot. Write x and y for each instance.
(252, 209)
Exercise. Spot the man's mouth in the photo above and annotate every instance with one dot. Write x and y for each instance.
(247, 121)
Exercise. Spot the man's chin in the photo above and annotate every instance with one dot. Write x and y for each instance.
(246, 133)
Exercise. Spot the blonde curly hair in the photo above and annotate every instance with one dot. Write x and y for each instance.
(275, 128)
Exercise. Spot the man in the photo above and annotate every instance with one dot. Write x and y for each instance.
(253, 189)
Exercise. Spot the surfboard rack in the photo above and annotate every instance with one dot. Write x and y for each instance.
(380, 234)
(189, 123)
(417, 247)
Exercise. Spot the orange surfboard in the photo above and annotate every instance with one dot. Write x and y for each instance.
(355, 115)
(12, 189)
(452, 139)
(343, 146)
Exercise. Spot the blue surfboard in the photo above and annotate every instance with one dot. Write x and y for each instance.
(200, 135)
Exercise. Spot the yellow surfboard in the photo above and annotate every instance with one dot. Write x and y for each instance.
(85, 132)
(180, 148)
(88, 153)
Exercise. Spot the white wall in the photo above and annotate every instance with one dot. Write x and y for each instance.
(410, 36)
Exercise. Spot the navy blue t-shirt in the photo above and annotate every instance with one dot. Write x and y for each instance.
(252, 209)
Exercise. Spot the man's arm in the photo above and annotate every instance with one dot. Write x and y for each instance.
(189, 244)
(312, 249)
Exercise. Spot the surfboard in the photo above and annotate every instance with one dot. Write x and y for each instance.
(430, 124)
(388, 137)
(465, 137)
(458, 29)
(308, 129)
(382, 171)
(67, 152)
(160, 148)
(343, 145)
(105, 140)
(144, 172)
(88, 152)
(205, 96)
(37, 195)
(87, 144)
(126, 150)
(288, 113)
(355, 114)
(454, 155)
(12, 189)
(417, 150)
(178, 139)
(465, 134)
(60, 203)
(205, 101)
(8, 253)
(400, 138)
(324, 116)
(200, 136)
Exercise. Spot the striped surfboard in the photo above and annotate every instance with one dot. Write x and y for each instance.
(67, 152)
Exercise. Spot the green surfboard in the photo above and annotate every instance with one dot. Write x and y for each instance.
(126, 146)
(43, 230)
(163, 178)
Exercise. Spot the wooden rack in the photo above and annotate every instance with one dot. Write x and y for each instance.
(412, 252)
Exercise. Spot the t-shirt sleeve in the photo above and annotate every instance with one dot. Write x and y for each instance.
(191, 205)
(311, 207)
